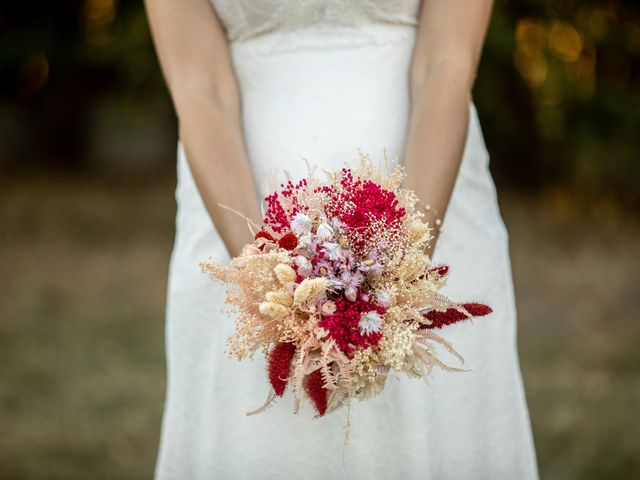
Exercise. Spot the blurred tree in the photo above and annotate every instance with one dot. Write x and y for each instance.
(559, 95)
(558, 92)
(78, 78)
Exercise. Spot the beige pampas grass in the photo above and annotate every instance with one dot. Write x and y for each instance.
(309, 288)
(274, 310)
(282, 298)
(285, 273)
(419, 231)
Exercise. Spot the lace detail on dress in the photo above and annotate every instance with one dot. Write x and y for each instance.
(244, 19)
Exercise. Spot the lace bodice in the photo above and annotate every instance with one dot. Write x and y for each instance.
(244, 19)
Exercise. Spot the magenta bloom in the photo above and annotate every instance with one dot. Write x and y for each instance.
(362, 204)
(344, 325)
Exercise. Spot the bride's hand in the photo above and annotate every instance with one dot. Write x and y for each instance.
(236, 240)
(195, 60)
(442, 74)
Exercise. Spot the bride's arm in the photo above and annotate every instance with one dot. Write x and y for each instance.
(450, 38)
(195, 59)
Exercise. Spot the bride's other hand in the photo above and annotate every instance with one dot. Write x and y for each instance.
(195, 60)
(450, 38)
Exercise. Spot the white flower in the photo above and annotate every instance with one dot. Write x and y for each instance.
(300, 223)
(370, 322)
(334, 250)
(305, 240)
(324, 232)
(328, 308)
(303, 264)
(383, 299)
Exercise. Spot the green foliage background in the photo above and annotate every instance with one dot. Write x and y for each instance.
(558, 92)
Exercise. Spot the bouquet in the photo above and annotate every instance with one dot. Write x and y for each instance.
(337, 291)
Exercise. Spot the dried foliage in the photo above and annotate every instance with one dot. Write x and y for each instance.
(337, 290)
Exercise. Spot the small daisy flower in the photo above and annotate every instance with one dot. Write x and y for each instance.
(324, 233)
(383, 299)
(304, 265)
(301, 224)
(328, 308)
(333, 249)
(370, 322)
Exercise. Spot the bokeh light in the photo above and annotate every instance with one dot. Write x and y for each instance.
(33, 74)
(565, 41)
(98, 15)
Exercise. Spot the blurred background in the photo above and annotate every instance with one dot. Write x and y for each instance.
(87, 152)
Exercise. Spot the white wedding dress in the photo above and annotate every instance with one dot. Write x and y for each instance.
(320, 79)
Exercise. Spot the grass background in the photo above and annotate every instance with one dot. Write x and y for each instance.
(83, 263)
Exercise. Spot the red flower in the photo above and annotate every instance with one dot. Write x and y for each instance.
(276, 216)
(280, 360)
(288, 241)
(451, 315)
(362, 206)
(264, 234)
(314, 386)
(441, 270)
(343, 324)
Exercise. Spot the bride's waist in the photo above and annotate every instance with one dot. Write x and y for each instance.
(324, 37)
(321, 97)
(301, 68)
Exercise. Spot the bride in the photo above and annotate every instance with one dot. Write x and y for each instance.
(260, 87)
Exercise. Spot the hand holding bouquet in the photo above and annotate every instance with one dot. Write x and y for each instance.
(336, 289)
